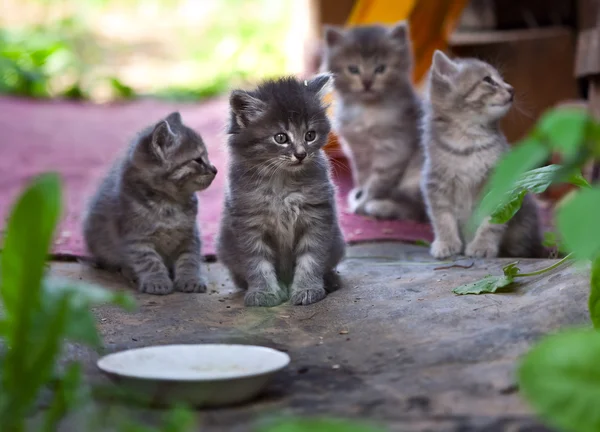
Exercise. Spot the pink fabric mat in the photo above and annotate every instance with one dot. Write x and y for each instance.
(80, 141)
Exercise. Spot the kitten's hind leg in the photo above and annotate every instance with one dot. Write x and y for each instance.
(148, 269)
(390, 209)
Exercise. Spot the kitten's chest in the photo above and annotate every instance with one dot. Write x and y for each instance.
(363, 121)
(285, 209)
(169, 226)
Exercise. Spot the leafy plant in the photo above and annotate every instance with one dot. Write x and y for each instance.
(39, 313)
(559, 376)
(317, 425)
(492, 284)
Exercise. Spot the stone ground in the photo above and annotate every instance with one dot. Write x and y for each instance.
(394, 346)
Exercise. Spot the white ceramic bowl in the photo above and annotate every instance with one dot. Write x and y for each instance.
(200, 375)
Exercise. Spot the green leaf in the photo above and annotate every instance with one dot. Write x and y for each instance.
(318, 425)
(578, 180)
(509, 170)
(565, 130)
(560, 378)
(67, 396)
(29, 232)
(577, 221)
(179, 419)
(488, 285)
(535, 181)
(509, 209)
(594, 300)
(81, 325)
(511, 270)
(550, 239)
(122, 91)
(28, 237)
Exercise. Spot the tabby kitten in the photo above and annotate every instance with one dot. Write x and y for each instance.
(377, 114)
(279, 227)
(463, 142)
(142, 219)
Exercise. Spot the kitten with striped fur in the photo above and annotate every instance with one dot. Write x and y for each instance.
(280, 238)
(142, 219)
(462, 139)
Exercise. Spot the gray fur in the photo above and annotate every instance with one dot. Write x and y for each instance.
(378, 128)
(142, 219)
(463, 142)
(279, 227)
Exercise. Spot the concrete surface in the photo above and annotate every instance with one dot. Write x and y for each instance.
(394, 346)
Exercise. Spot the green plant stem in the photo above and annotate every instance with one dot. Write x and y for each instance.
(544, 270)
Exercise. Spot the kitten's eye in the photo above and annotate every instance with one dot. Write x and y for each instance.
(199, 161)
(353, 69)
(310, 135)
(280, 138)
(488, 79)
(380, 69)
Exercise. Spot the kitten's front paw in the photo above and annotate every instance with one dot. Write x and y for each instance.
(157, 285)
(307, 296)
(443, 249)
(482, 249)
(190, 284)
(262, 299)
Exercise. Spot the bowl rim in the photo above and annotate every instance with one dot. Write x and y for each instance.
(101, 364)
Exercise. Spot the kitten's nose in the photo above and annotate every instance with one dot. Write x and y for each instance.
(300, 155)
(367, 83)
(213, 169)
(511, 92)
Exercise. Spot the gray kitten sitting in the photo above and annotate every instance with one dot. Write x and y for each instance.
(279, 227)
(377, 115)
(463, 142)
(142, 219)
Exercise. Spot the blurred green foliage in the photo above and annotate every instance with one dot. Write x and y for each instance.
(238, 42)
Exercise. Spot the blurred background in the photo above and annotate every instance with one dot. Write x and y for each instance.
(191, 50)
(116, 49)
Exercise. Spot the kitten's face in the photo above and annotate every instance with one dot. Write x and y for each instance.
(469, 88)
(368, 61)
(176, 155)
(281, 125)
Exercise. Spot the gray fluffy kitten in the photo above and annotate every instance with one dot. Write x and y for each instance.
(142, 219)
(377, 115)
(463, 142)
(279, 227)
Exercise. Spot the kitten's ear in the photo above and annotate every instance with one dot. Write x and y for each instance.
(333, 35)
(443, 66)
(174, 119)
(163, 138)
(400, 32)
(320, 84)
(245, 107)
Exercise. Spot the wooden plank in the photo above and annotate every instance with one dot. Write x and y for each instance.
(587, 13)
(588, 53)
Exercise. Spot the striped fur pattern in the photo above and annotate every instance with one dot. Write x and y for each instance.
(463, 142)
(142, 219)
(279, 234)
